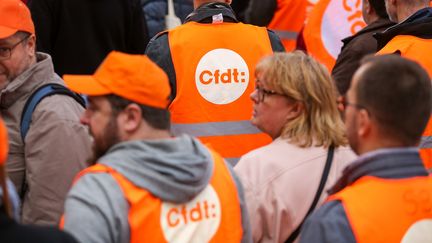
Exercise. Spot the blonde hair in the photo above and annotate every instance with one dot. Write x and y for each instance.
(304, 80)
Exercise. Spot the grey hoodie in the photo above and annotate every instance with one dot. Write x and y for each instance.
(174, 170)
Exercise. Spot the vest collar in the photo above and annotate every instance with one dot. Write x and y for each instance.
(380, 23)
(419, 25)
(389, 163)
(204, 13)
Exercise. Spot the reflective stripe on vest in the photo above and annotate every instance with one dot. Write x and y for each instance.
(215, 128)
(215, 66)
(286, 35)
(413, 48)
(388, 210)
(426, 142)
(288, 20)
(213, 215)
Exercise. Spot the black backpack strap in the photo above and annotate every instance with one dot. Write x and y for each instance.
(37, 96)
(323, 181)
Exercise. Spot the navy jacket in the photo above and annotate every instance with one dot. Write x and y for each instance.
(156, 10)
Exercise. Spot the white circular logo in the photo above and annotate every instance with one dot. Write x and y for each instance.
(421, 231)
(196, 221)
(341, 19)
(221, 76)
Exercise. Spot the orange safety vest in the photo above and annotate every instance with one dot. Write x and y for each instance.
(414, 48)
(215, 66)
(386, 210)
(288, 21)
(212, 216)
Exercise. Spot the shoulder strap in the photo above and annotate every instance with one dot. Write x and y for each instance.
(323, 181)
(37, 96)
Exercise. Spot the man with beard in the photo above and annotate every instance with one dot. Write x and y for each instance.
(42, 163)
(386, 194)
(146, 185)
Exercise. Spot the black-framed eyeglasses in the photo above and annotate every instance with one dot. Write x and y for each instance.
(263, 92)
(6, 52)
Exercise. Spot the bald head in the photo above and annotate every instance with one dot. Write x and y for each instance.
(399, 10)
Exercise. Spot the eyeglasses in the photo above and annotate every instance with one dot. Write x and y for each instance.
(6, 52)
(345, 104)
(263, 92)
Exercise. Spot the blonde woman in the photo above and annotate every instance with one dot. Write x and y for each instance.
(294, 103)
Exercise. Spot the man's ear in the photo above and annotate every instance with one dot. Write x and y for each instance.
(31, 45)
(367, 6)
(130, 118)
(364, 123)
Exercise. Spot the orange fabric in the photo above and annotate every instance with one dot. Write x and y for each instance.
(414, 48)
(133, 77)
(312, 35)
(289, 16)
(188, 44)
(145, 210)
(382, 210)
(15, 16)
(4, 144)
(231, 145)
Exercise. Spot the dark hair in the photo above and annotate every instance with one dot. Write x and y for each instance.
(22, 35)
(157, 118)
(397, 93)
(379, 7)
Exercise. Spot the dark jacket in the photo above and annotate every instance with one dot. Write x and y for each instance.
(355, 47)
(78, 34)
(330, 223)
(260, 12)
(158, 48)
(11, 231)
(239, 7)
(419, 25)
(156, 10)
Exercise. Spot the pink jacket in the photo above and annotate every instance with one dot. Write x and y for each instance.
(280, 181)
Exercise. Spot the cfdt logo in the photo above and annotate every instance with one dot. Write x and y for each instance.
(342, 18)
(195, 221)
(221, 76)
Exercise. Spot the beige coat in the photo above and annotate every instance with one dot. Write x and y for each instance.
(280, 181)
(56, 146)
